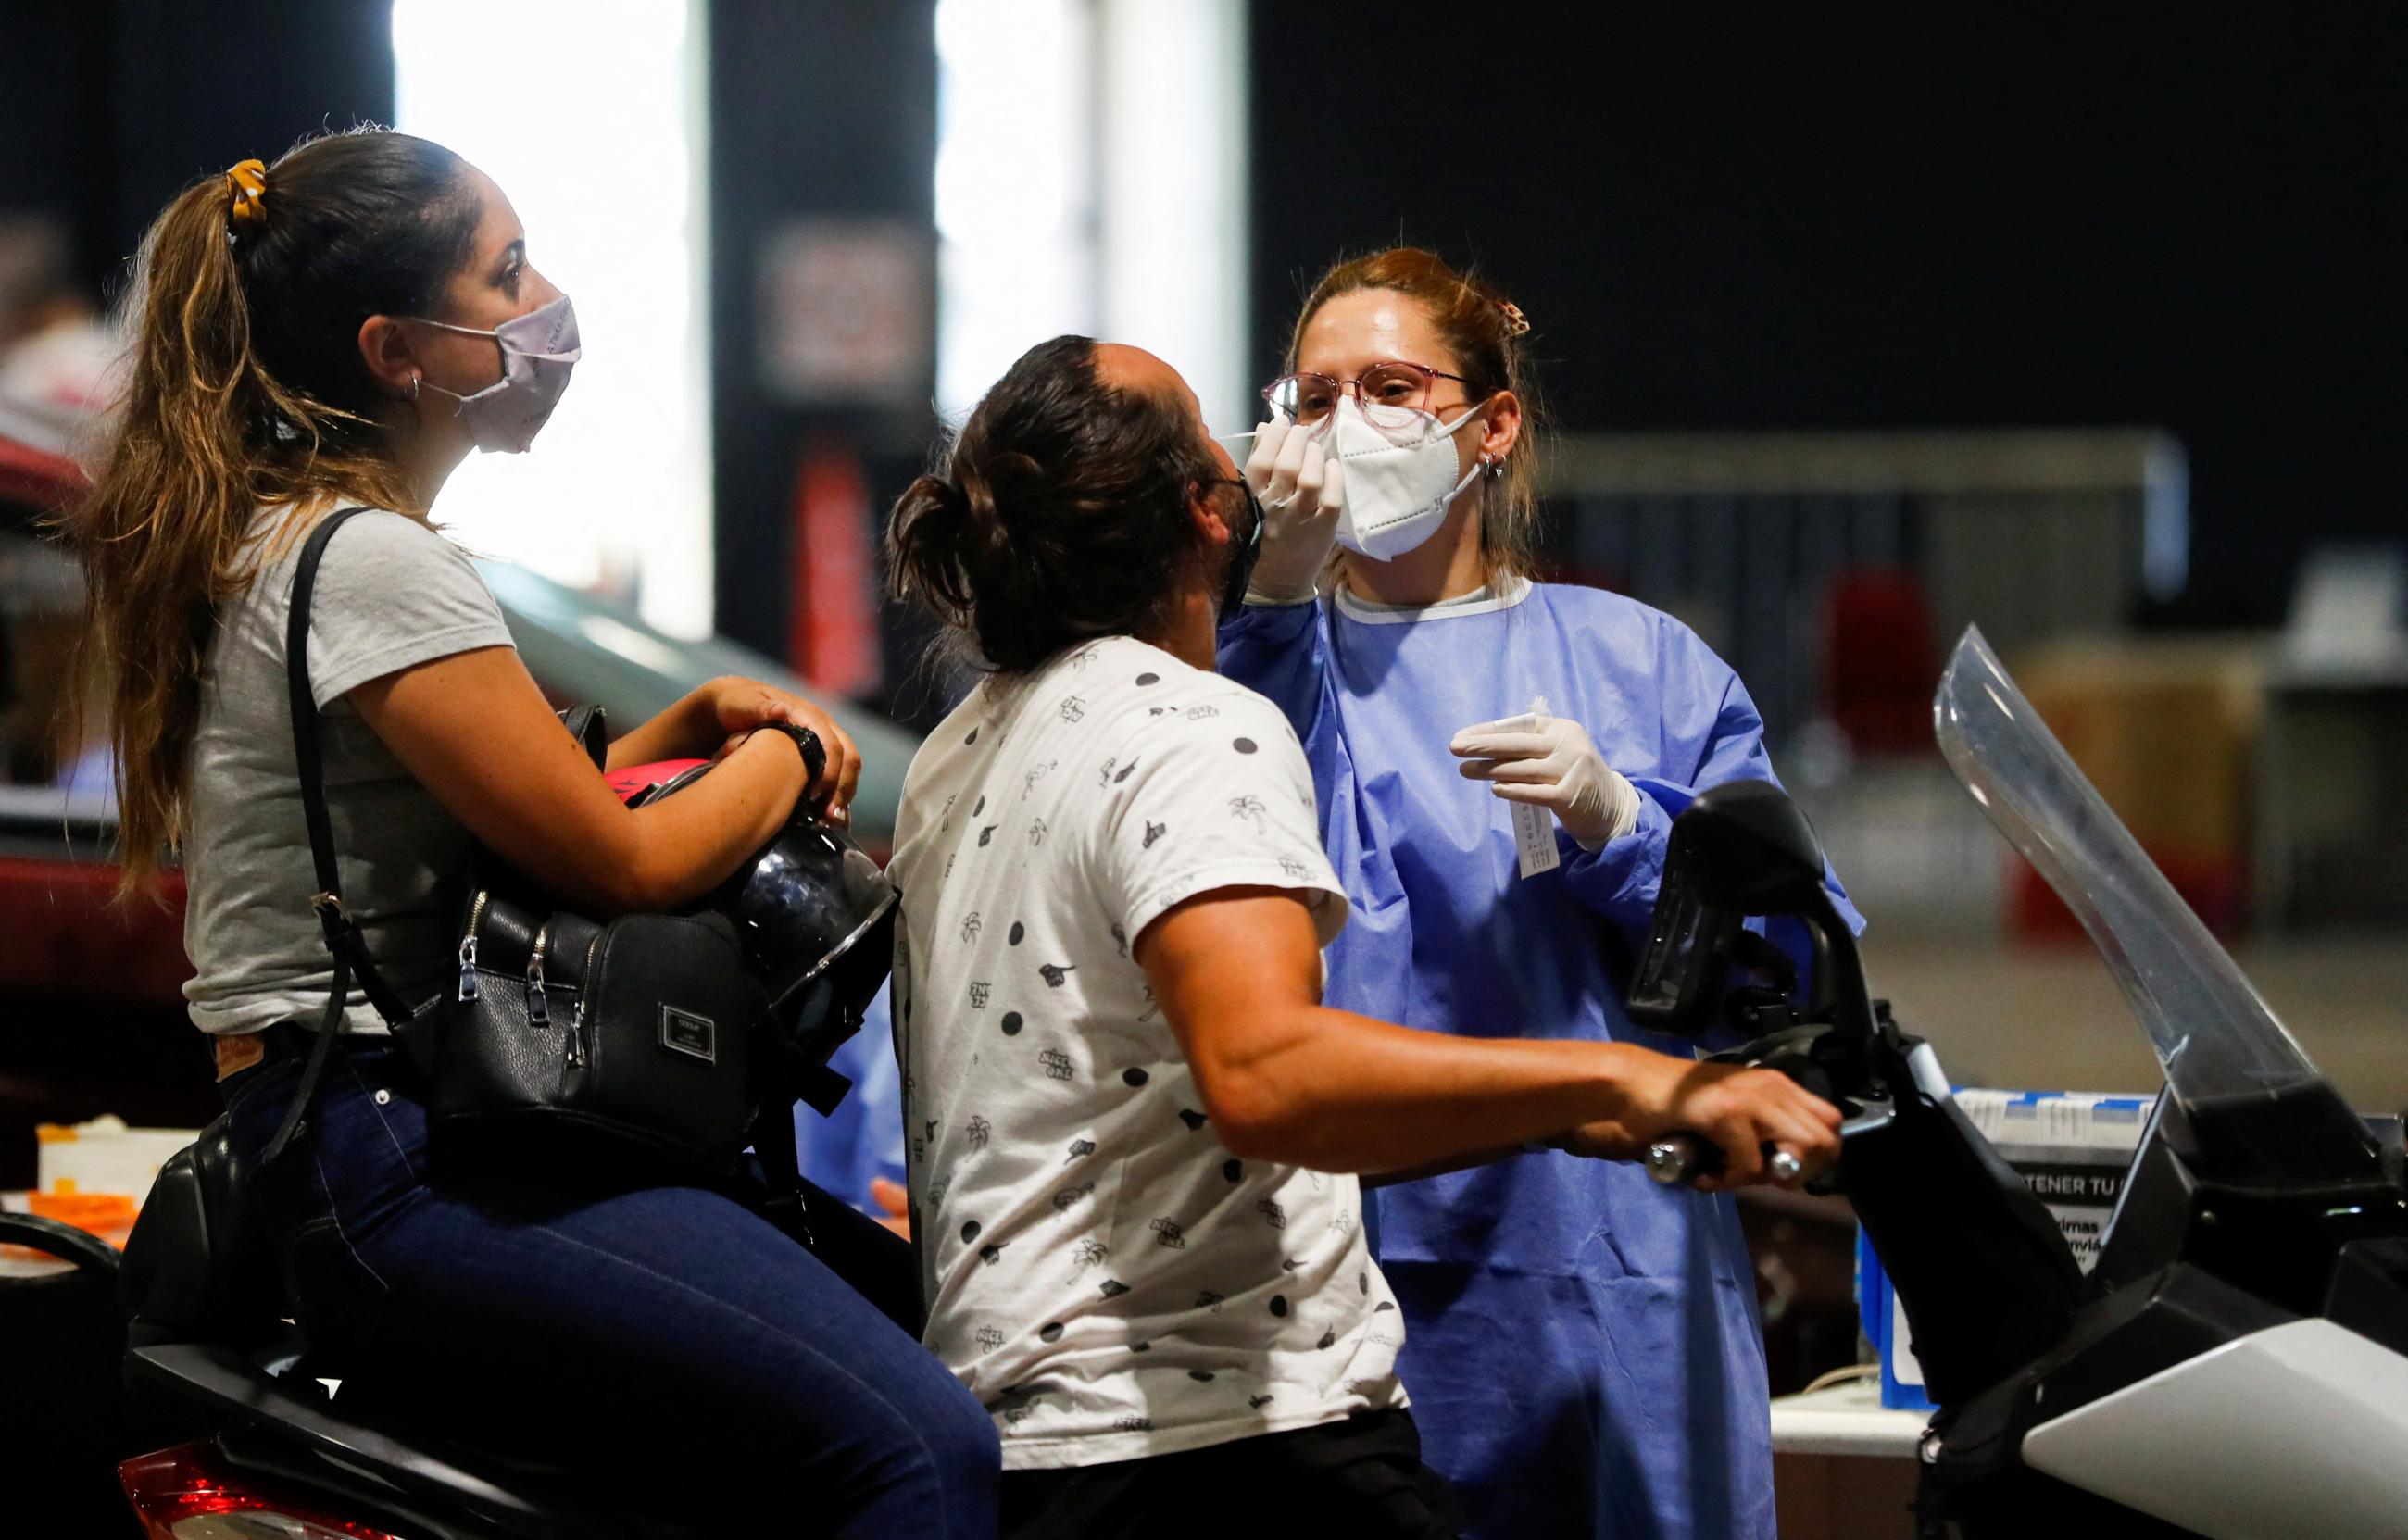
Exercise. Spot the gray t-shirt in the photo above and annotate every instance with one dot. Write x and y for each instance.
(391, 593)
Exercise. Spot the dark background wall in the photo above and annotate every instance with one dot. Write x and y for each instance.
(108, 108)
(1771, 217)
(820, 111)
(1778, 217)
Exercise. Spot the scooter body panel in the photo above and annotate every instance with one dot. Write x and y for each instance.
(2295, 1429)
(235, 1389)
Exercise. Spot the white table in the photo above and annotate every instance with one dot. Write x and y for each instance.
(1845, 1419)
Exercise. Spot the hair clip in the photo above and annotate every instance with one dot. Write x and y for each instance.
(1516, 323)
(248, 181)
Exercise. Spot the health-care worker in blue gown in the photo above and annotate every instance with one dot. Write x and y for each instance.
(1583, 1349)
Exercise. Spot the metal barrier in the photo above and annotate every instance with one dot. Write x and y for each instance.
(2033, 534)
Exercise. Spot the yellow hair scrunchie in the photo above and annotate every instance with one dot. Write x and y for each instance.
(248, 182)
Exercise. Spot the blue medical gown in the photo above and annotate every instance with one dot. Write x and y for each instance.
(863, 1138)
(1583, 1349)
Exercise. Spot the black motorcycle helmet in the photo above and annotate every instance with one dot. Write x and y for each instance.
(816, 916)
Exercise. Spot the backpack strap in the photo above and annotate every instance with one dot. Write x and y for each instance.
(774, 1146)
(345, 943)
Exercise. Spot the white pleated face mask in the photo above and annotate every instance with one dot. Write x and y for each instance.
(1399, 479)
(538, 350)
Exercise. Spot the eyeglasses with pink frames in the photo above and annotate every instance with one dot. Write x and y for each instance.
(1384, 389)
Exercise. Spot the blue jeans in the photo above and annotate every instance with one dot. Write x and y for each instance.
(668, 1338)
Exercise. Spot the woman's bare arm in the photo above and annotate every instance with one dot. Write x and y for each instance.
(697, 726)
(477, 734)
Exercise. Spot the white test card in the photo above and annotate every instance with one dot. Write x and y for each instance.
(1534, 839)
(1534, 828)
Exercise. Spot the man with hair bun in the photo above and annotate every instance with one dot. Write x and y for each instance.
(1134, 1130)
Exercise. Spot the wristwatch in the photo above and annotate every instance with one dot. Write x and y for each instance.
(806, 742)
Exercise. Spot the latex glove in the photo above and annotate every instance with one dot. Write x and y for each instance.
(1548, 762)
(1301, 490)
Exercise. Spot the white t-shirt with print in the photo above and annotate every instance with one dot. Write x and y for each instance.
(1105, 1276)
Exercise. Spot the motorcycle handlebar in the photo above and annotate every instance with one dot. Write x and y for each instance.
(1678, 1159)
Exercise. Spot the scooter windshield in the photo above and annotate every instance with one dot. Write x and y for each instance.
(2258, 1106)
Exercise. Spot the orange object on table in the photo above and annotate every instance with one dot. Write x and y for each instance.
(106, 1215)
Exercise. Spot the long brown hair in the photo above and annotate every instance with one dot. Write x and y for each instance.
(1485, 331)
(1059, 514)
(245, 390)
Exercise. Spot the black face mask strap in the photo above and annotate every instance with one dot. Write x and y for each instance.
(1242, 559)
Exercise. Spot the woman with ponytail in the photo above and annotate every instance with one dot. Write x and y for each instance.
(1498, 761)
(338, 330)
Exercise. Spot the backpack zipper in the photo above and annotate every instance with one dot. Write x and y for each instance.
(538, 1008)
(468, 945)
(576, 1012)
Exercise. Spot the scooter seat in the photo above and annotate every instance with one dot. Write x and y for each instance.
(197, 1264)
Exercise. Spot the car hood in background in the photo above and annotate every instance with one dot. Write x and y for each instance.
(586, 650)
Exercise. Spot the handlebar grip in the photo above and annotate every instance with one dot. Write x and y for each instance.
(1678, 1159)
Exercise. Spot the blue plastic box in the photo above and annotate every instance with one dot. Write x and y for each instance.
(2072, 1147)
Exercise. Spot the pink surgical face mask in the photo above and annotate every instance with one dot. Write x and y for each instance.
(538, 350)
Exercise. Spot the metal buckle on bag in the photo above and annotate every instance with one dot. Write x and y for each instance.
(695, 1036)
(332, 919)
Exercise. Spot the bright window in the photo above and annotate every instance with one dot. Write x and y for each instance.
(1091, 177)
(589, 114)
(1015, 212)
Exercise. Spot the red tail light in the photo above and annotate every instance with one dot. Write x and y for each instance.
(189, 1493)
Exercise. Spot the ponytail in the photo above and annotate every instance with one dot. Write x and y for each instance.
(932, 542)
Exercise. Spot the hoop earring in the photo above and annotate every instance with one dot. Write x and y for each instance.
(413, 390)
(1496, 467)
